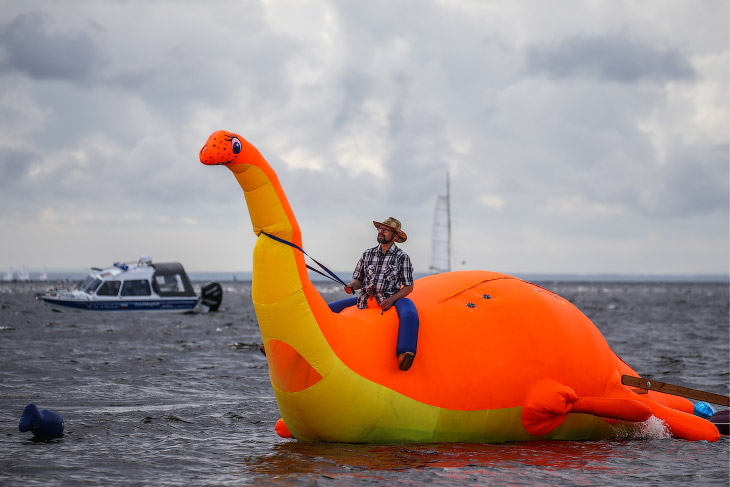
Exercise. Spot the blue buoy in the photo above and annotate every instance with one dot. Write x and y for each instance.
(43, 423)
(703, 410)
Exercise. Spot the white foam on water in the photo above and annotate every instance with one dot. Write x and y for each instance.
(653, 429)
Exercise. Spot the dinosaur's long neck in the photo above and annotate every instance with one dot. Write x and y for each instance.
(278, 269)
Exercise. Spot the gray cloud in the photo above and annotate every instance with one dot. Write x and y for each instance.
(615, 58)
(32, 46)
(695, 183)
(15, 165)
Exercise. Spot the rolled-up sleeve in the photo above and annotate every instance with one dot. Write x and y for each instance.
(406, 270)
(359, 272)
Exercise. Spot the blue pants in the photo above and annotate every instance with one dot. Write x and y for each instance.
(407, 322)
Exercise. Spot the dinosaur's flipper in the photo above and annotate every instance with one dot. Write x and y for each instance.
(548, 402)
(686, 426)
(614, 408)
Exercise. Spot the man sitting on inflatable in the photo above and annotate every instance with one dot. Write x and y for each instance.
(384, 273)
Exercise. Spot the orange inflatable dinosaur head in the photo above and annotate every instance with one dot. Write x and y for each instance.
(228, 149)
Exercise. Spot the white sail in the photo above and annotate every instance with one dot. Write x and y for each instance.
(8, 275)
(441, 242)
(23, 275)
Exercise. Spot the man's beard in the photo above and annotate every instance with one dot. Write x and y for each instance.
(382, 240)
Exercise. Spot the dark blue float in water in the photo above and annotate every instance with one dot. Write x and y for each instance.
(721, 420)
(43, 423)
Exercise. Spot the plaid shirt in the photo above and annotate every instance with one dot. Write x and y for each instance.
(382, 275)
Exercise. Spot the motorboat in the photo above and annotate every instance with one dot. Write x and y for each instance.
(140, 286)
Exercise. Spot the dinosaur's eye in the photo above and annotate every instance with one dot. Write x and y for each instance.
(235, 145)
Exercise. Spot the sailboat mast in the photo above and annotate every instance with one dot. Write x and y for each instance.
(441, 241)
(448, 227)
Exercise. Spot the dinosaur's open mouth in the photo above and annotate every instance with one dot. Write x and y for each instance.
(290, 372)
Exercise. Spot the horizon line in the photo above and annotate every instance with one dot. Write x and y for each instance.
(232, 276)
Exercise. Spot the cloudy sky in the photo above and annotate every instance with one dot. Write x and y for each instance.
(586, 136)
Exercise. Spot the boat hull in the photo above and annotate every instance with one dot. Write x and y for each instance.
(167, 304)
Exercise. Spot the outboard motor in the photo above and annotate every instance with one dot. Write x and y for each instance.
(211, 295)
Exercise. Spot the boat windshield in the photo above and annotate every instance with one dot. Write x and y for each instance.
(84, 284)
(91, 287)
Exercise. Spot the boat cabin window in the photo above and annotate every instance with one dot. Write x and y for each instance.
(136, 287)
(169, 283)
(170, 280)
(109, 288)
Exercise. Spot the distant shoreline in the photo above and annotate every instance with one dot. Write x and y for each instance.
(679, 278)
(536, 277)
(75, 275)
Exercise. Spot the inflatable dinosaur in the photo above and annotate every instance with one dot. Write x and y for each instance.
(499, 359)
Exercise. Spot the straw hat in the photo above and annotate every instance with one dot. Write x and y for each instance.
(394, 225)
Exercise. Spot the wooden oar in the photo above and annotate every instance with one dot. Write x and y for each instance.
(655, 385)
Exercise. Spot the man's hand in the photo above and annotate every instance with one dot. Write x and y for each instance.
(353, 286)
(387, 303)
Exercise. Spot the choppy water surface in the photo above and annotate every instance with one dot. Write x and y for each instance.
(171, 399)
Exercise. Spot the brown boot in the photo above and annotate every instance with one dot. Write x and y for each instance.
(405, 360)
